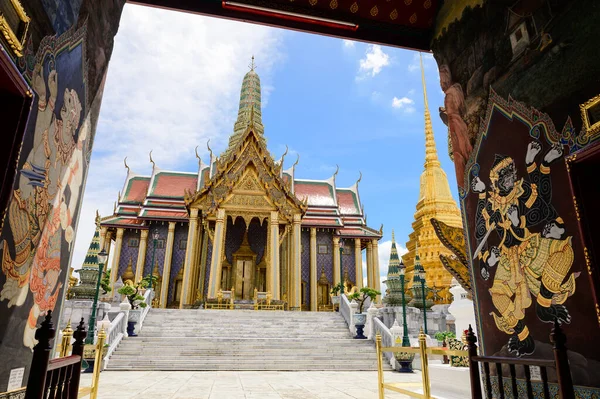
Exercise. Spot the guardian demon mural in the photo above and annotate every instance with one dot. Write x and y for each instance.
(524, 242)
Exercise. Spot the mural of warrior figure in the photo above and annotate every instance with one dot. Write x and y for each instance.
(44, 203)
(533, 257)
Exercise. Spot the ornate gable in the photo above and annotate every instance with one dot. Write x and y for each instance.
(247, 179)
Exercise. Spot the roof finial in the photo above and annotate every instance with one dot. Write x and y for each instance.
(97, 218)
(297, 160)
(152, 160)
(430, 150)
(359, 177)
(252, 66)
(393, 236)
(210, 150)
(336, 170)
(284, 154)
(126, 166)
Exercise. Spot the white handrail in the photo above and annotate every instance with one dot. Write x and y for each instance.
(386, 338)
(115, 335)
(148, 296)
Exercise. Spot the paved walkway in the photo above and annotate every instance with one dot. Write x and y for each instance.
(248, 385)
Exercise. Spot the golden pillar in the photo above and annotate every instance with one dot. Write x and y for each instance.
(313, 269)
(358, 263)
(164, 289)
(214, 283)
(103, 231)
(376, 276)
(196, 263)
(336, 261)
(203, 253)
(114, 271)
(273, 265)
(189, 257)
(141, 259)
(370, 264)
(107, 242)
(296, 285)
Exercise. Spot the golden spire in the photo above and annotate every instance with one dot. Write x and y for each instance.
(393, 237)
(431, 157)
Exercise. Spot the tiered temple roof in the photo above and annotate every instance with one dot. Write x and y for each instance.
(161, 196)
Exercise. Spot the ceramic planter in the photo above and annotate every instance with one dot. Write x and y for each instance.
(359, 322)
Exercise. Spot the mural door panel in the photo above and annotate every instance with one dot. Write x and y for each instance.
(528, 264)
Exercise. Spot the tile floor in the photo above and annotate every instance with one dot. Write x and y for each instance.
(249, 385)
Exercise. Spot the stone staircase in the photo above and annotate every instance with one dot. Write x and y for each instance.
(173, 339)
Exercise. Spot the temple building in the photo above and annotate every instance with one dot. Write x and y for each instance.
(243, 223)
(435, 201)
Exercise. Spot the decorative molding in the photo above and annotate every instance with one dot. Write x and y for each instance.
(16, 43)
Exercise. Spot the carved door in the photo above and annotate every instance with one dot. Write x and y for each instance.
(244, 278)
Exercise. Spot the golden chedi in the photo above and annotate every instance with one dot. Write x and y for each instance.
(435, 201)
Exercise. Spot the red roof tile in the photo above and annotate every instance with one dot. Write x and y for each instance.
(320, 222)
(136, 190)
(150, 213)
(347, 202)
(318, 193)
(172, 185)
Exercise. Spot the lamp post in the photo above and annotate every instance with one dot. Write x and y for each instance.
(102, 256)
(422, 278)
(155, 238)
(405, 340)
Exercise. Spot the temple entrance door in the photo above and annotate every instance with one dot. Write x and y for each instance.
(244, 278)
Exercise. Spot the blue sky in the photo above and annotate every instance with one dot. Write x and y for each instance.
(331, 101)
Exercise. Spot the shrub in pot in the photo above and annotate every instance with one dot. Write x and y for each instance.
(360, 318)
(136, 300)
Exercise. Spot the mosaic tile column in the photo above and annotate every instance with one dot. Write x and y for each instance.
(358, 263)
(376, 276)
(313, 269)
(114, 270)
(370, 264)
(203, 256)
(141, 259)
(189, 258)
(296, 285)
(216, 262)
(273, 265)
(336, 261)
(164, 288)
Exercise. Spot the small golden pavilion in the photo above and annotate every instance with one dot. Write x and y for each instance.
(241, 223)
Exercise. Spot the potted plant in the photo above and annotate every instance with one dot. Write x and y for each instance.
(335, 293)
(360, 318)
(132, 292)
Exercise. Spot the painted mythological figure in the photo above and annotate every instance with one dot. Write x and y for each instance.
(44, 203)
(533, 256)
(455, 109)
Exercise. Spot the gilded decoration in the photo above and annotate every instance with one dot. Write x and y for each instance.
(15, 37)
(590, 116)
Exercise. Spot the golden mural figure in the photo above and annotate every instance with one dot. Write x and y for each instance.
(532, 258)
(40, 211)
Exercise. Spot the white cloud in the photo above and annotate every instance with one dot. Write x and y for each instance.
(348, 44)
(169, 92)
(374, 61)
(405, 104)
(415, 64)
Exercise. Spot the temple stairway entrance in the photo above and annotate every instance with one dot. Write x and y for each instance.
(173, 339)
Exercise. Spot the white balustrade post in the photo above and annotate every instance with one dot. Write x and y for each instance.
(353, 310)
(397, 334)
(371, 313)
(125, 308)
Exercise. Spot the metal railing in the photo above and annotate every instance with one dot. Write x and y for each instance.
(560, 364)
(421, 350)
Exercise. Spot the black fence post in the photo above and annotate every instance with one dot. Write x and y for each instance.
(563, 371)
(41, 355)
(80, 334)
(473, 365)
